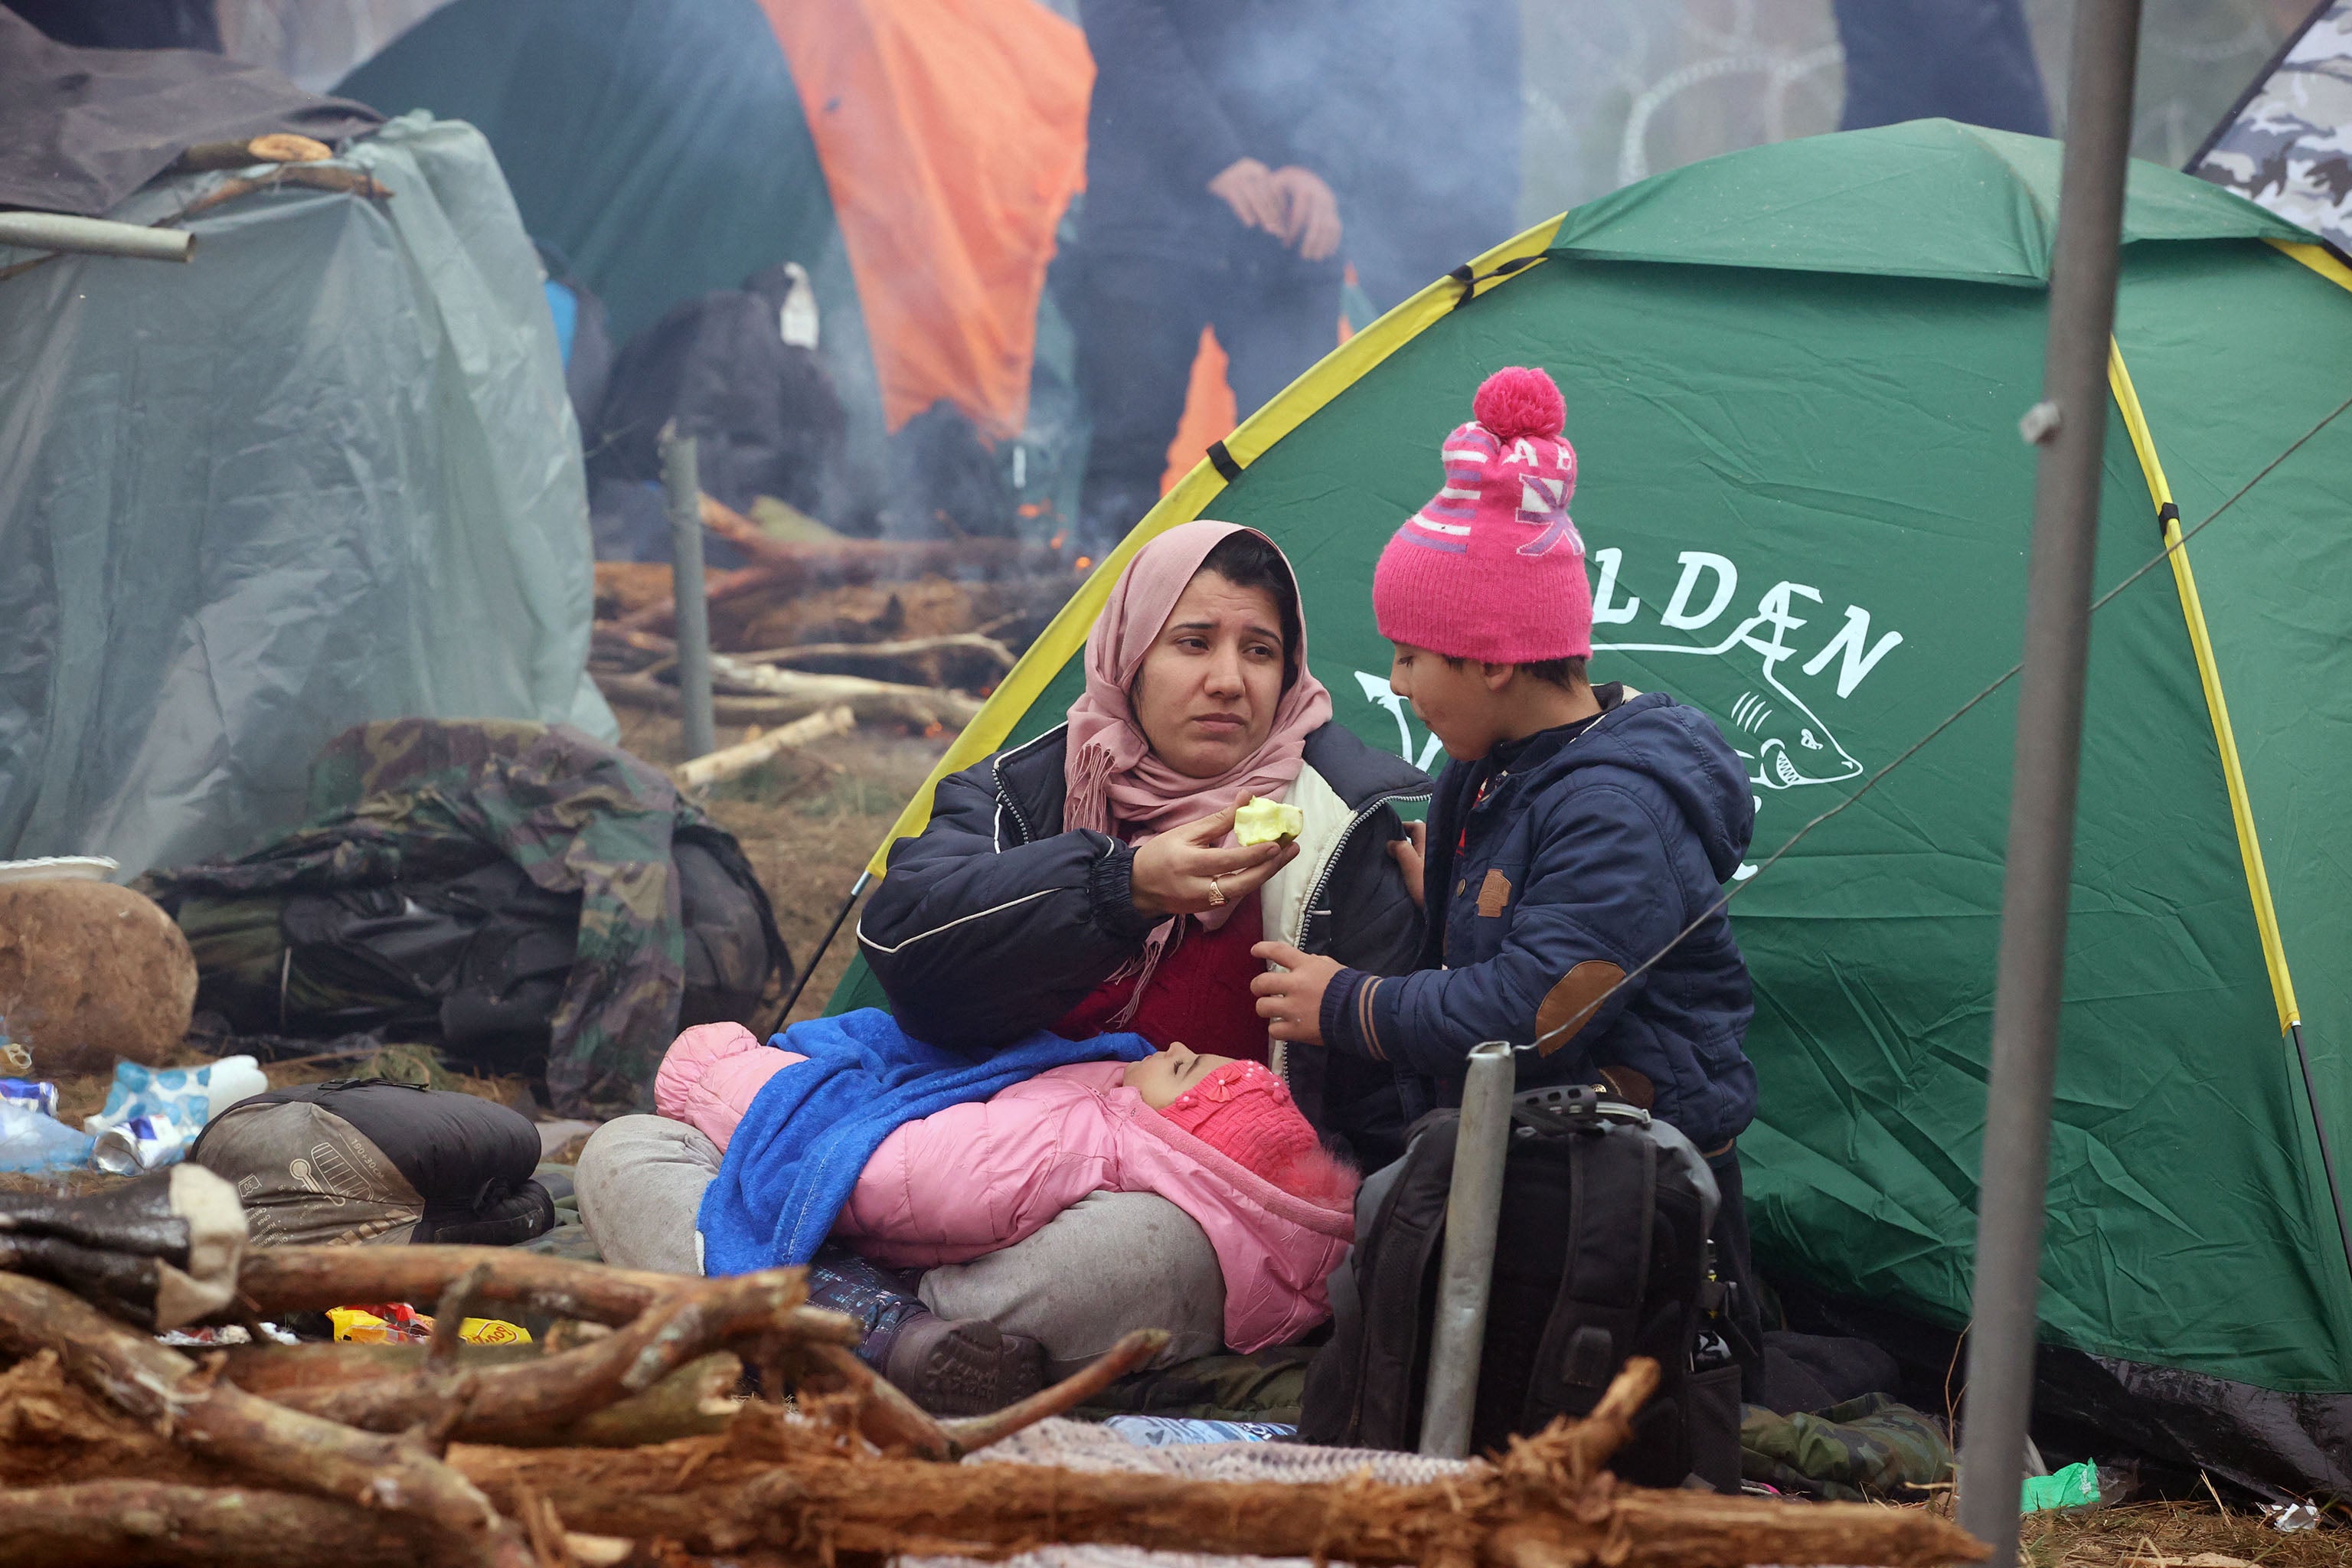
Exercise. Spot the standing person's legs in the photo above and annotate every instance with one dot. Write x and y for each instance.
(1138, 321)
(1274, 316)
(1114, 1262)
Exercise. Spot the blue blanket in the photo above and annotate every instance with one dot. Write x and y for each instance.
(799, 1151)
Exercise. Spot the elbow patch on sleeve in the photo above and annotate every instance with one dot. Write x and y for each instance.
(1577, 997)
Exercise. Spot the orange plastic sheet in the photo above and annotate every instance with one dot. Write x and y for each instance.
(954, 134)
(1209, 412)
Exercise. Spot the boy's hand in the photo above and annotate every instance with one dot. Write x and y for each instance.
(1410, 851)
(1290, 999)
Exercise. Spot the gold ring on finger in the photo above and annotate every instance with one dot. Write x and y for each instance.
(1216, 893)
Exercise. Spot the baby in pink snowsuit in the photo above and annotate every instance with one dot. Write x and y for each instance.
(1220, 1139)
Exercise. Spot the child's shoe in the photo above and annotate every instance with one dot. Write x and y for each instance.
(965, 1368)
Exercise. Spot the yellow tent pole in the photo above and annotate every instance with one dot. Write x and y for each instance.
(2208, 673)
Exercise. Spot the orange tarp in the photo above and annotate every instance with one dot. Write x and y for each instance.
(1209, 411)
(953, 134)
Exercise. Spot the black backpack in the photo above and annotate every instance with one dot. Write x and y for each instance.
(1602, 1253)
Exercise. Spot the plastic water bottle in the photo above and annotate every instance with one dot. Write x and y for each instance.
(31, 1142)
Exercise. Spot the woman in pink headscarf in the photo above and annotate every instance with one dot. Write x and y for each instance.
(1089, 881)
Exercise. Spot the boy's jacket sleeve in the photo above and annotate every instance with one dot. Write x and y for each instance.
(1600, 900)
(956, 914)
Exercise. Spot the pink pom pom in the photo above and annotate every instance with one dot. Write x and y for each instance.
(1518, 401)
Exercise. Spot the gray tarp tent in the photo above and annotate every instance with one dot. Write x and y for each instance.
(324, 473)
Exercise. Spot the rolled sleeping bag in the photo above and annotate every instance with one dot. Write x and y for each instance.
(372, 1162)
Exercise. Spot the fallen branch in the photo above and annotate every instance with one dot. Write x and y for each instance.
(906, 648)
(690, 1401)
(277, 147)
(300, 1452)
(522, 1401)
(789, 695)
(888, 1419)
(788, 571)
(312, 1279)
(733, 762)
(314, 176)
(102, 1524)
(977, 1432)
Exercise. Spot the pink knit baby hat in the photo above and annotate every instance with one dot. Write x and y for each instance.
(1245, 1113)
(1492, 569)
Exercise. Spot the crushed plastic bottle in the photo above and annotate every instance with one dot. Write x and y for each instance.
(32, 1141)
(189, 1095)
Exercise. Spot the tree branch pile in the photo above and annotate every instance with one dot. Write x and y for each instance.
(910, 632)
(624, 1440)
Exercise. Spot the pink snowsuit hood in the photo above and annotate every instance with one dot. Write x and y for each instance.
(976, 1178)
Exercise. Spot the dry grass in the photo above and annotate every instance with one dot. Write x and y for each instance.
(2174, 1535)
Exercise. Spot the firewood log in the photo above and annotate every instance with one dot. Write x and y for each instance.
(299, 1453)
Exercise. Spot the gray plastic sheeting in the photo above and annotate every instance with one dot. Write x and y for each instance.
(324, 473)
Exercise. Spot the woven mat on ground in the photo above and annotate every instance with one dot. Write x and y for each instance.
(1078, 1446)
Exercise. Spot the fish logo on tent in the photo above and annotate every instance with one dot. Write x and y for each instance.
(1789, 750)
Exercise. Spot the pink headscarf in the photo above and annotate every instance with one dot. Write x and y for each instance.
(1116, 784)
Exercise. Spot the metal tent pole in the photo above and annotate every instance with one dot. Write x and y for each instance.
(831, 931)
(682, 494)
(1473, 1207)
(2071, 426)
(95, 237)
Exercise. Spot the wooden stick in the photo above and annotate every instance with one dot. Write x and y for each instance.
(733, 762)
(908, 647)
(975, 1433)
(793, 695)
(450, 1314)
(278, 147)
(313, 1279)
(301, 1453)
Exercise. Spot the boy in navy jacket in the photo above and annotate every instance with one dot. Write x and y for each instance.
(1575, 832)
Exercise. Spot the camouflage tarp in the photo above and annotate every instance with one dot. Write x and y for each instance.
(415, 798)
(2288, 144)
(1865, 1448)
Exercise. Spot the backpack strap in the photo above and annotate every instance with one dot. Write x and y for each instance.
(1392, 1280)
(1612, 1203)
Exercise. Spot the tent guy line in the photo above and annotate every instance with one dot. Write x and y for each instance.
(1577, 1021)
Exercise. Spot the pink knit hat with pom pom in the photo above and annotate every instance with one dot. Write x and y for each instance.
(1492, 569)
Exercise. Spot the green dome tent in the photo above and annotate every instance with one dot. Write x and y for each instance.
(1794, 377)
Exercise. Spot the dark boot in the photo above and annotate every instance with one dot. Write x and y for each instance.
(966, 1368)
